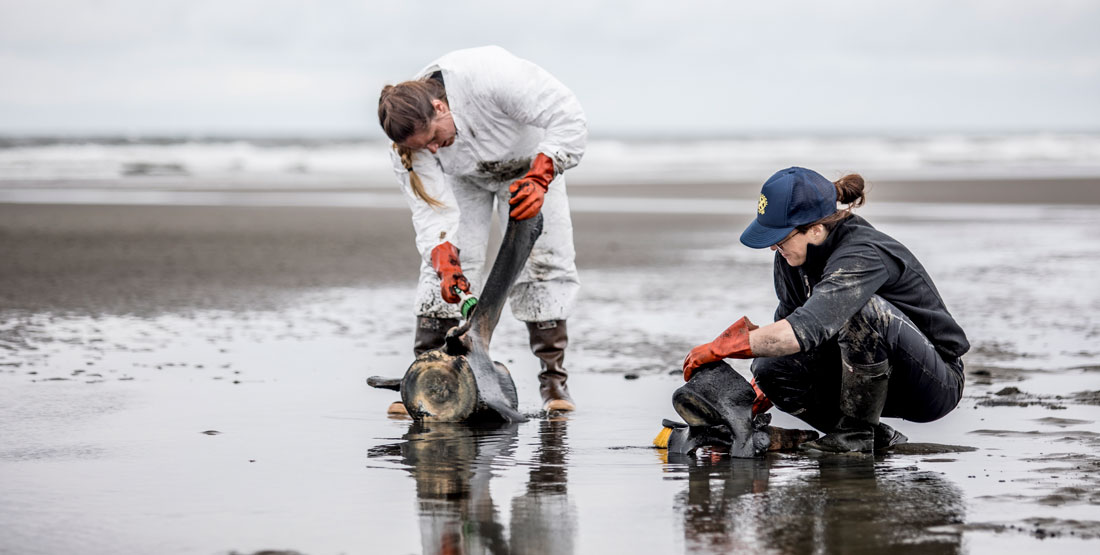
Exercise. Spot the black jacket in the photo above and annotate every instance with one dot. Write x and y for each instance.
(840, 275)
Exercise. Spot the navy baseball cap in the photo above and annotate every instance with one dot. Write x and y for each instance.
(789, 198)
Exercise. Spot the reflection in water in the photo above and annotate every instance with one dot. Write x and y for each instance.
(847, 506)
(713, 518)
(452, 464)
(544, 519)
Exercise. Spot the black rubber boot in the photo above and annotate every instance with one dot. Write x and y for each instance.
(862, 397)
(548, 342)
(887, 437)
(430, 333)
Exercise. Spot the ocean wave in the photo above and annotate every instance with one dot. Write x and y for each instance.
(605, 161)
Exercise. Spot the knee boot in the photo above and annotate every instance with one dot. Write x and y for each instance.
(862, 396)
(548, 342)
(430, 333)
(864, 381)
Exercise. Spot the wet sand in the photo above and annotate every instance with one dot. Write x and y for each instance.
(1063, 190)
(190, 379)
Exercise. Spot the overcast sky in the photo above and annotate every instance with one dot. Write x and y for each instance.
(651, 67)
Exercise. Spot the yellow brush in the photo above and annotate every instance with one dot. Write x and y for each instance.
(661, 441)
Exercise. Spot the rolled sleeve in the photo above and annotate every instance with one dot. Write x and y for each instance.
(847, 284)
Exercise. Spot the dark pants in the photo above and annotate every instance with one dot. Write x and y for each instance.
(923, 386)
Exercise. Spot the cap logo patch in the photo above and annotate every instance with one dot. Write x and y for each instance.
(760, 206)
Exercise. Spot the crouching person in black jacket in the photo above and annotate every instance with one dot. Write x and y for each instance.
(860, 331)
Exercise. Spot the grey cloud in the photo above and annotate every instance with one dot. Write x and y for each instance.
(703, 66)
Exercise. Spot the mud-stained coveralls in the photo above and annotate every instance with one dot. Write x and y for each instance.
(506, 110)
(862, 291)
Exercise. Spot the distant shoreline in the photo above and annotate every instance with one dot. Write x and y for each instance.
(1052, 190)
(311, 191)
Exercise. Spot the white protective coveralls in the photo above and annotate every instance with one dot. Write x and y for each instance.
(506, 110)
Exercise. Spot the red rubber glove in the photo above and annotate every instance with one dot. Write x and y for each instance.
(527, 191)
(733, 343)
(445, 262)
(761, 404)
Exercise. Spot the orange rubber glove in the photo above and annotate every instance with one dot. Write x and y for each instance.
(445, 262)
(528, 191)
(733, 343)
(761, 404)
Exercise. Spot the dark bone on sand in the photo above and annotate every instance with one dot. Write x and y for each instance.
(717, 406)
(459, 382)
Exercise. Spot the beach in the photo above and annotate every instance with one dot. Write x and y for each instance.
(189, 377)
(211, 243)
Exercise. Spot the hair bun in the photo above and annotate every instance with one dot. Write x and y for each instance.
(850, 190)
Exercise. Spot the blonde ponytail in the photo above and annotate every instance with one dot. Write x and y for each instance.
(407, 108)
(414, 180)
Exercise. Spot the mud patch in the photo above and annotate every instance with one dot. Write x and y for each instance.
(990, 375)
(1014, 397)
(1071, 495)
(504, 170)
(996, 350)
(1084, 494)
(52, 453)
(1061, 479)
(1086, 397)
(1084, 437)
(1041, 528)
(268, 552)
(1085, 464)
(1061, 422)
(930, 449)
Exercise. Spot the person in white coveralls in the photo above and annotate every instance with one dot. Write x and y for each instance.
(473, 127)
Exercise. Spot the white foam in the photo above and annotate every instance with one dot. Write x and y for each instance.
(245, 164)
